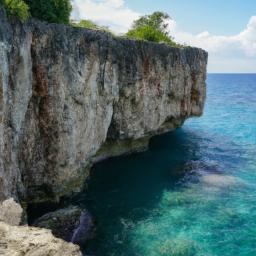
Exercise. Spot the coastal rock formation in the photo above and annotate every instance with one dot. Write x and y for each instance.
(85, 229)
(23, 240)
(10, 212)
(29, 241)
(66, 224)
(70, 97)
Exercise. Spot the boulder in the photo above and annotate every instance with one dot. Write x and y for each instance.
(30, 241)
(65, 222)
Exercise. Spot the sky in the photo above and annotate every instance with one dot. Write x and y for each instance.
(224, 28)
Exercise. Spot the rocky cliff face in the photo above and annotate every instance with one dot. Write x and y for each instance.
(70, 97)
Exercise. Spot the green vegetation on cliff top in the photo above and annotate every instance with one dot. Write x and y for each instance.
(91, 25)
(53, 11)
(152, 27)
(16, 8)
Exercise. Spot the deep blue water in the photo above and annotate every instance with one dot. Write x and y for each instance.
(192, 193)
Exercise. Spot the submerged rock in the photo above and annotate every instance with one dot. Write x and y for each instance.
(177, 247)
(221, 181)
(65, 222)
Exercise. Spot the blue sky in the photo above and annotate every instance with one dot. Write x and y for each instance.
(225, 28)
(226, 17)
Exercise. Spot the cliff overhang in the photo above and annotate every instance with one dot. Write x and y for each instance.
(70, 97)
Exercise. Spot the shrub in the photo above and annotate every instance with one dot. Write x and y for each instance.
(156, 20)
(153, 28)
(53, 11)
(91, 25)
(150, 34)
(16, 8)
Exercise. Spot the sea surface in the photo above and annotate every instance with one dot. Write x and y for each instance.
(192, 193)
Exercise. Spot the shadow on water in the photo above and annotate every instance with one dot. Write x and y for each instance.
(129, 187)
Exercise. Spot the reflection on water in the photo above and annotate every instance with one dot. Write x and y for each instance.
(192, 193)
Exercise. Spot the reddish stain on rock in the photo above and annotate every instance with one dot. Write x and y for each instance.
(195, 95)
(40, 80)
(146, 66)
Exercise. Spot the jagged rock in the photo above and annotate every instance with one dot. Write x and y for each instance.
(27, 241)
(85, 230)
(65, 222)
(10, 212)
(30, 241)
(71, 96)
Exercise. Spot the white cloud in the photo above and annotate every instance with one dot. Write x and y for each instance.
(244, 41)
(226, 53)
(247, 38)
(234, 53)
(111, 13)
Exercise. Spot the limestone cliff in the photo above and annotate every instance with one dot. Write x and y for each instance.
(70, 96)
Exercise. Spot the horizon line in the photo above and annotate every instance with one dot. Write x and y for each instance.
(233, 73)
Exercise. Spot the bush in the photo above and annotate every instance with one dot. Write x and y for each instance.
(150, 34)
(152, 28)
(16, 8)
(53, 11)
(91, 25)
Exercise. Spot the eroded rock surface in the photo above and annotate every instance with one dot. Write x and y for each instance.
(10, 212)
(29, 241)
(72, 96)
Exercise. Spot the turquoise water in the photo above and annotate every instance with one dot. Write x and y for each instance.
(192, 193)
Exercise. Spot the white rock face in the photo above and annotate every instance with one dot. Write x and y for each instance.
(28, 241)
(72, 96)
(10, 212)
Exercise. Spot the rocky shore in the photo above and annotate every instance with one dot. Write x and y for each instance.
(70, 97)
(30, 241)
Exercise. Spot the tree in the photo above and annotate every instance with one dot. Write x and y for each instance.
(157, 21)
(53, 11)
(16, 8)
(153, 28)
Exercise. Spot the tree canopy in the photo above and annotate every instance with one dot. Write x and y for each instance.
(53, 11)
(153, 28)
(16, 8)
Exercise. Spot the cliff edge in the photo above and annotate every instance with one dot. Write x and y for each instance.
(70, 97)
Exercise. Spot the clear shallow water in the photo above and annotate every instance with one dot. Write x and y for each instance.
(192, 193)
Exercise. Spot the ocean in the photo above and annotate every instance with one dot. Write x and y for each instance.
(192, 193)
